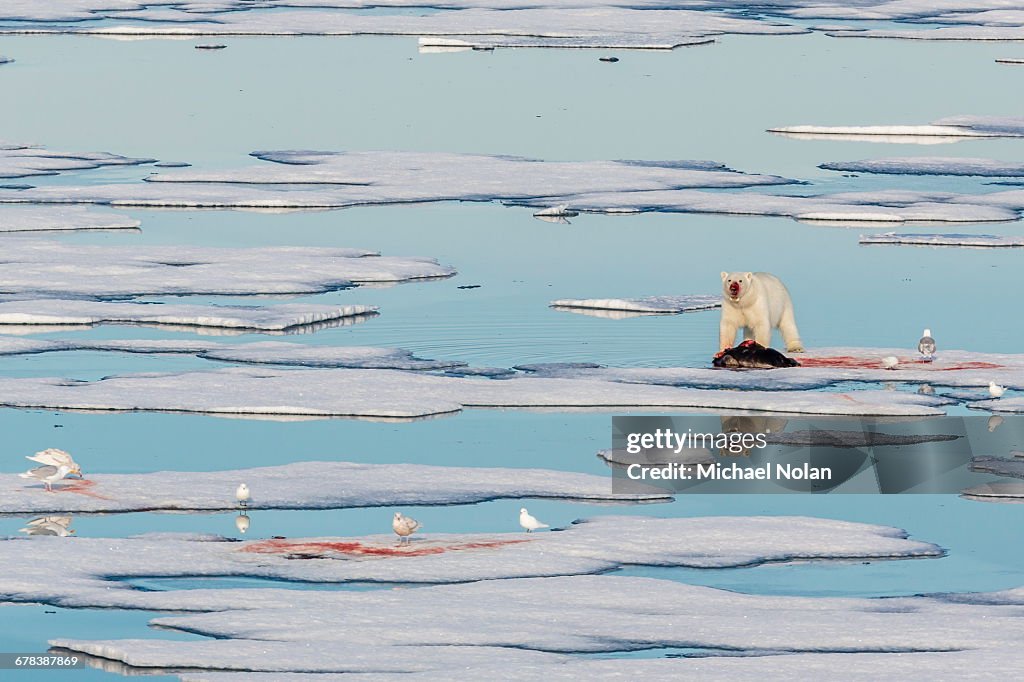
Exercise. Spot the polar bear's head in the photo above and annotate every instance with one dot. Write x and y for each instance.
(735, 285)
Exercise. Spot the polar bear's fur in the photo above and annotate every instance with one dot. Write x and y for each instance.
(757, 302)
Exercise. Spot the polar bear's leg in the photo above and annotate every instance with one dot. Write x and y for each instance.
(726, 333)
(790, 334)
(763, 333)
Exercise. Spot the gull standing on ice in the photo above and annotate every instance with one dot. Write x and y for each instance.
(404, 526)
(995, 390)
(890, 362)
(242, 494)
(926, 346)
(49, 525)
(57, 465)
(528, 522)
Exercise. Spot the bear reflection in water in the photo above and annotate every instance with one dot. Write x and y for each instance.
(752, 355)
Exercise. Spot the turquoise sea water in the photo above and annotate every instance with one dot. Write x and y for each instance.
(163, 99)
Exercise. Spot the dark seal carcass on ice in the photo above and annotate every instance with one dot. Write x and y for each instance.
(752, 355)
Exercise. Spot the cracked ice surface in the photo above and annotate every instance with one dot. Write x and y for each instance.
(52, 312)
(563, 615)
(22, 161)
(44, 269)
(972, 240)
(381, 393)
(306, 485)
(78, 572)
(46, 218)
(647, 304)
(926, 165)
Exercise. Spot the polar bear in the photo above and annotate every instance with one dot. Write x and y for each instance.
(758, 302)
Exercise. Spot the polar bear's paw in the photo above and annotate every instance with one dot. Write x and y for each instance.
(795, 348)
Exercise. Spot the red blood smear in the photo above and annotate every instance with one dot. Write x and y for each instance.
(82, 487)
(320, 548)
(872, 363)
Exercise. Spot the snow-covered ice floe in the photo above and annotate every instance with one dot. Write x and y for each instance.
(966, 126)
(1006, 405)
(313, 179)
(562, 617)
(821, 368)
(88, 577)
(282, 317)
(383, 393)
(424, 175)
(22, 161)
(864, 208)
(925, 165)
(606, 40)
(646, 304)
(260, 353)
(587, 25)
(55, 269)
(971, 240)
(305, 485)
(5, 60)
(1009, 60)
(51, 218)
(340, 179)
(718, 666)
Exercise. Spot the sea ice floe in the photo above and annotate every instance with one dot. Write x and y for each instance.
(964, 126)
(311, 179)
(715, 666)
(55, 269)
(606, 40)
(567, 615)
(924, 165)
(820, 368)
(52, 218)
(1009, 60)
(5, 60)
(592, 24)
(1005, 405)
(282, 317)
(971, 240)
(88, 577)
(306, 485)
(423, 176)
(647, 304)
(260, 353)
(314, 179)
(22, 161)
(848, 207)
(982, 33)
(383, 393)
